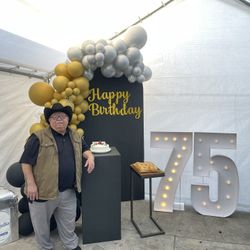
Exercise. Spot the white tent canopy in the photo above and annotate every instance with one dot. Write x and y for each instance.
(198, 52)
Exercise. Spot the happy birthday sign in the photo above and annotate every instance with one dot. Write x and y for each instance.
(112, 103)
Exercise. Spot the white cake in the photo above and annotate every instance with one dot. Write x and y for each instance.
(99, 147)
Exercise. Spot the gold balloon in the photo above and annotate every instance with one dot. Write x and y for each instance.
(74, 118)
(84, 106)
(82, 83)
(68, 91)
(57, 96)
(71, 84)
(75, 69)
(76, 91)
(81, 117)
(60, 83)
(72, 98)
(40, 93)
(73, 126)
(80, 131)
(36, 127)
(53, 101)
(77, 110)
(61, 70)
(85, 94)
(66, 102)
(47, 105)
(78, 99)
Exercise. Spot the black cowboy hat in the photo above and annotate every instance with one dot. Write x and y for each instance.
(57, 107)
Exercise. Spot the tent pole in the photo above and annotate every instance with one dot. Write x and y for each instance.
(23, 73)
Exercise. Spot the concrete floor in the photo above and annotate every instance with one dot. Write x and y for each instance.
(185, 230)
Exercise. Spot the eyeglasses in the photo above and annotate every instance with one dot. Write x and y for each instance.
(57, 116)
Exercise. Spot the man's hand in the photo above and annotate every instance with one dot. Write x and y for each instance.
(90, 162)
(32, 192)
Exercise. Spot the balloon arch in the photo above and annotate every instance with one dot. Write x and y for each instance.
(70, 87)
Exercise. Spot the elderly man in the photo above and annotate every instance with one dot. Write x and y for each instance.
(52, 166)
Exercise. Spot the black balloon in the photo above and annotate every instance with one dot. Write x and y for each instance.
(78, 212)
(53, 224)
(79, 198)
(25, 225)
(22, 191)
(23, 206)
(14, 175)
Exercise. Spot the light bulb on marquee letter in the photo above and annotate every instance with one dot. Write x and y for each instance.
(181, 145)
(228, 181)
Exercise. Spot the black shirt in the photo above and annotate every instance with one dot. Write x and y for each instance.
(66, 157)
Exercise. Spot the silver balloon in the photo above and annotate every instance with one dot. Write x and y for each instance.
(99, 57)
(140, 65)
(131, 78)
(102, 41)
(85, 62)
(91, 59)
(118, 74)
(133, 55)
(85, 43)
(75, 54)
(108, 70)
(147, 72)
(93, 67)
(99, 47)
(90, 49)
(120, 46)
(88, 74)
(128, 71)
(135, 36)
(140, 78)
(121, 62)
(99, 63)
(137, 71)
(109, 54)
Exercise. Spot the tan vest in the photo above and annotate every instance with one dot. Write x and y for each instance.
(46, 170)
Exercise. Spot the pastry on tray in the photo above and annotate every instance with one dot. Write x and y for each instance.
(145, 167)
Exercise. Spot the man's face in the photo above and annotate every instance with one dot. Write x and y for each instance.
(59, 121)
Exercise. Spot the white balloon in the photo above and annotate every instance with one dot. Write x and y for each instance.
(99, 47)
(85, 43)
(140, 65)
(147, 72)
(99, 63)
(119, 45)
(121, 62)
(88, 74)
(90, 49)
(109, 54)
(108, 70)
(133, 55)
(99, 57)
(102, 41)
(91, 59)
(137, 71)
(85, 62)
(93, 67)
(140, 78)
(131, 78)
(128, 71)
(135, 36)
(118, 74)
(75, 53)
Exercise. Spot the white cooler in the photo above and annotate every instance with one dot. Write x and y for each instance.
(8, 217)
